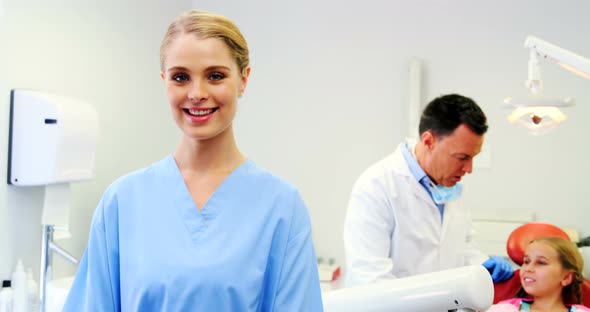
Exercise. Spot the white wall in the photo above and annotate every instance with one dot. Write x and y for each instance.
(329, 83)
(106, 53)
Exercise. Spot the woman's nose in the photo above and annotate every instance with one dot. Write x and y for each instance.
(197, 92)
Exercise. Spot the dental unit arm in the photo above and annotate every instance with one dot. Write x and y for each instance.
(464, 289)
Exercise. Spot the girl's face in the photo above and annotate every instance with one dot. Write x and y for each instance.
(203, 84)
(542, 274)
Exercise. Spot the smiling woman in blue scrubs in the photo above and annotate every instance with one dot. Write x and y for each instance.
(204, 229)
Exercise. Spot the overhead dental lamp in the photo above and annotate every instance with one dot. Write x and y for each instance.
(536, 112)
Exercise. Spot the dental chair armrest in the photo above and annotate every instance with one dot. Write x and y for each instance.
(586, 292)
(508, 288)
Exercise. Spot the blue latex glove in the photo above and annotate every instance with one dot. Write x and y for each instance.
(499, 268)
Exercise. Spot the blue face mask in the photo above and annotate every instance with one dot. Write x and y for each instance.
(444, 194)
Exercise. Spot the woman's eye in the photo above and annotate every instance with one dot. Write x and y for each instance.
(216, 76)
(180, 77)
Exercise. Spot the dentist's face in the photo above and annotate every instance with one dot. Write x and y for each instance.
(541, 273)
(203, 84)
(449, 158)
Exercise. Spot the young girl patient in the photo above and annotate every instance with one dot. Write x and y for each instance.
(551, 278)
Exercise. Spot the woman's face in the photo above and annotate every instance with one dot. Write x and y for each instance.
(203, 83)
(542, 274)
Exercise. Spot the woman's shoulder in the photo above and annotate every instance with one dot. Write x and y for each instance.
(280, 196)
(138, 182)
(140, 177)
(261, 177)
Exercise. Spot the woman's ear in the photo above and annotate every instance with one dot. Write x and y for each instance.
(244, 80)
(567, 278)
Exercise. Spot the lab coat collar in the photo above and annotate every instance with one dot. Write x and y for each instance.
(415, 185)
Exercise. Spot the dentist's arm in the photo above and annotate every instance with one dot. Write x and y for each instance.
(368, 227)
(499, 268)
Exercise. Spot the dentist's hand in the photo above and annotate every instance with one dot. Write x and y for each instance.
(499, 268)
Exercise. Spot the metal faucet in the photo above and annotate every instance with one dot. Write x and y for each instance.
(47, 246)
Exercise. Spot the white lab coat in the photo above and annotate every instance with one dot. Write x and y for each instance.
(393, 228)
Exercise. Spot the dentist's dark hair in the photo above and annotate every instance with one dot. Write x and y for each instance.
(447, 112)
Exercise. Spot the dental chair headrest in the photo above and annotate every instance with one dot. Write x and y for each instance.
(524, 234)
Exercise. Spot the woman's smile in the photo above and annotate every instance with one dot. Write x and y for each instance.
(200, 115)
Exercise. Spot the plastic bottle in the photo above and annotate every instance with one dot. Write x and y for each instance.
(19, 286)
(32, 291)
(6, 297)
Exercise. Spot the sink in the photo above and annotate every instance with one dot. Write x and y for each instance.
(57, 292)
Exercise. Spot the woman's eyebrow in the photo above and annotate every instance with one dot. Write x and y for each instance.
(214, 67)
(209, 68)
(177, 68)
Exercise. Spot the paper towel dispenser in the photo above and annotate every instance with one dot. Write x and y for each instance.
(52, 139)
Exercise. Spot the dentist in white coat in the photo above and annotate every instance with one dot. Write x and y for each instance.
(405, 215)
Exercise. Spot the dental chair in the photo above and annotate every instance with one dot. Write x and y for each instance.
(516, 245)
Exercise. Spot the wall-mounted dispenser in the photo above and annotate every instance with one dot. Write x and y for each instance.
(52, 139)
(52, 143)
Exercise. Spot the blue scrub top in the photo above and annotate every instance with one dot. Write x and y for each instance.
(151, 249)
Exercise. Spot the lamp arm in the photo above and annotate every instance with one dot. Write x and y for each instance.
(565, 58)
(534, 82)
